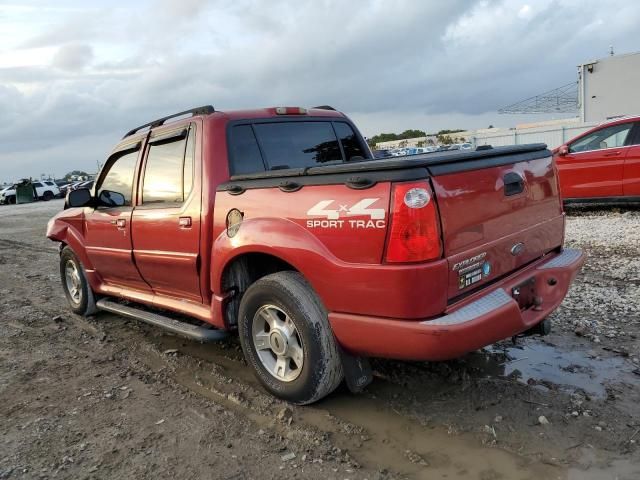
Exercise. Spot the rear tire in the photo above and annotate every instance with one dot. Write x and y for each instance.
(286, 339)
(76, 288)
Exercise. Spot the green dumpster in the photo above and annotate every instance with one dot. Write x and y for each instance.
(24, 193)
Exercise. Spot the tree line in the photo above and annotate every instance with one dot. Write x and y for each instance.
(442, 136)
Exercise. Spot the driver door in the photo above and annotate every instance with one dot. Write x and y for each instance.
(594, 166)
(108, 228)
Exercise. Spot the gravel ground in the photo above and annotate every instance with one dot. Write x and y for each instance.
(108, 398)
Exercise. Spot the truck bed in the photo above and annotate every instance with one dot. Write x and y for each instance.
(435, 163)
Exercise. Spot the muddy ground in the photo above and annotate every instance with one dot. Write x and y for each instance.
(108, 398)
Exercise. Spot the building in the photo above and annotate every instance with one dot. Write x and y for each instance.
(608, 87)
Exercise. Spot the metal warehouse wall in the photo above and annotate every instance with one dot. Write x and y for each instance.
(609, 87)
(552, 136)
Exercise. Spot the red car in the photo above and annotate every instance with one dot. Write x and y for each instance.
(602, 164)
(279, 223)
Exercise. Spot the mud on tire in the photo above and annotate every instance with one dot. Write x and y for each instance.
(289, 294)
(79, 295)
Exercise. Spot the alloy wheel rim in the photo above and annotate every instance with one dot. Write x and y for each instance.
(73, 282)
(277, 343)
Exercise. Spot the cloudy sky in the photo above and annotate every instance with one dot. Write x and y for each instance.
(75, 75)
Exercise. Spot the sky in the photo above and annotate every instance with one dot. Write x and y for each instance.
(76, 75)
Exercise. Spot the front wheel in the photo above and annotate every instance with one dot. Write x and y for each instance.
(286, 339)
(48, 195)
(75, 285)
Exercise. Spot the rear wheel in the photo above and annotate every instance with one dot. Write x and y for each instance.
(75, 285)
(287, 340)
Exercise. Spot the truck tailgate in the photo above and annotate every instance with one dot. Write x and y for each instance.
(496, 219)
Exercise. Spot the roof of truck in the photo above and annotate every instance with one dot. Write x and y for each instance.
(271, 112)
(208, 111)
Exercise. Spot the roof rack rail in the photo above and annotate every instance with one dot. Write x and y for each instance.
(204, 110)
(324, 107)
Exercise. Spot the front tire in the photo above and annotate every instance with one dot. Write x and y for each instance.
(48, 195)
(75, 285)
(286, 339)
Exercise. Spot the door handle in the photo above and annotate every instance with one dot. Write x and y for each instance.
(513, 184)
(612, 154)
(184, 222)
(121, 223)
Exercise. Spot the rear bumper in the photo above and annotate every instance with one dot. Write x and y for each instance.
(484, 318)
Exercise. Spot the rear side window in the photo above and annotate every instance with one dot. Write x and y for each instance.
(299, 144)
(168, 175)
(350, 144)
(119, 177)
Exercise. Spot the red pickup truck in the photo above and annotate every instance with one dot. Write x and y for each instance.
(279, 223)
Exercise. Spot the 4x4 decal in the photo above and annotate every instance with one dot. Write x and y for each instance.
(332, 215)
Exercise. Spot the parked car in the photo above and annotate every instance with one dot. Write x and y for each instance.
(466, 146)
(602, 164)
(257, 222)
(44, 190)
(3, 190)
(381, 153)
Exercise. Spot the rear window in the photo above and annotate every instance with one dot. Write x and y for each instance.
(244, 151)
(350, 144)
(300, 144)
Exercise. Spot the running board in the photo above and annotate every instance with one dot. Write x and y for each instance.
(182, 329)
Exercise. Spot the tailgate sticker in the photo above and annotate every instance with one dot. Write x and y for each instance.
(472, 270)
(332, 216)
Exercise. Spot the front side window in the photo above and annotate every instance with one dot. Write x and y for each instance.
(297, 144)
(37, 184)
(609, 137)
(119, 177)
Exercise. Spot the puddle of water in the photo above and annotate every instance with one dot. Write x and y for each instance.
(394, 441)
(402, 444)
(538, 364)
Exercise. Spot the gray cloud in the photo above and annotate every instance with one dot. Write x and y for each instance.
(392, 66)
(72, 57)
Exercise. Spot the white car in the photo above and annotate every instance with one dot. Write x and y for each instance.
(45, 190)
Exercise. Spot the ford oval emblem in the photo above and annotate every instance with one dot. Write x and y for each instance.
(517, 249)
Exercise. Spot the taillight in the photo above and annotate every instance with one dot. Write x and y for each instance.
(415, 234)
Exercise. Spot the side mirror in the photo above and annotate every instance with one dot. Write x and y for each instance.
(563, 150)
(107, 198)
(78, 198)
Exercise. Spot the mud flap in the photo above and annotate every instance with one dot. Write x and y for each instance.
(357, 371)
